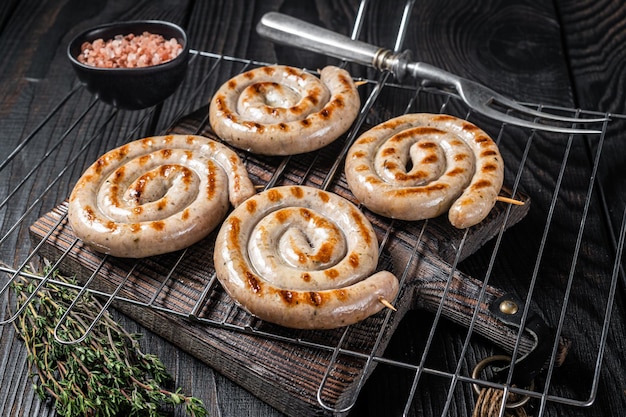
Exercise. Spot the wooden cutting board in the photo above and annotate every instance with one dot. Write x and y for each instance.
(178, 297)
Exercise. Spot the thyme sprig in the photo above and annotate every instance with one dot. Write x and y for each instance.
(104, 375)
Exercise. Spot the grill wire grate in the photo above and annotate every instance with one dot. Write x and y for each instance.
(20, 210)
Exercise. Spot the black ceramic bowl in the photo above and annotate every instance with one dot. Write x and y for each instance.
(132, 88)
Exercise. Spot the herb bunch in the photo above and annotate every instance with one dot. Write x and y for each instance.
(104, 375)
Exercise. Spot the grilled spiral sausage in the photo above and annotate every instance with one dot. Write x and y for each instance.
(302, 258)
(418, 166)
(281, 110)
(156, 195)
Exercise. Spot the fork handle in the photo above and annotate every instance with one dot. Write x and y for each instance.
(291, 31)
(288, 30)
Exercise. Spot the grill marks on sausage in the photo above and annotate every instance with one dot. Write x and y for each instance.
(331, 273)
(293, 111)
(489, 168)
(417, 166)
(326, 113)
(282, 217)
(461, 157)
(314, 299)
(212, 188)
(220, 102)
(158, 225)
(297, 192)
(425, 190)
(456, 172)
(323, 196)
(403, 176)
(251, 206)
(234, 231)
(170, 191)
(274, 195)
(294, 298)
(287, 296)
(253, 282)
(359, 220)
(314, 98)
(162, 204)
(298, 256)
(444, 118)
(90, 214)
(119, 174)
(324, 254)
(254, 126)
(481, 184)
(430, 159)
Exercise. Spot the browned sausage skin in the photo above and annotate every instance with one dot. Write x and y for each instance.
(281, 110)
(302, 258)
(453, 166)
(156, 195)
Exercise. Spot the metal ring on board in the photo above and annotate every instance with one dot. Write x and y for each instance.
(499, 358)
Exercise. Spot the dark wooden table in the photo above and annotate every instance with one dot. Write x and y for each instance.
(566, 53)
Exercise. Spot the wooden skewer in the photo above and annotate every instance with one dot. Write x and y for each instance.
(510, 200)
(386, 303)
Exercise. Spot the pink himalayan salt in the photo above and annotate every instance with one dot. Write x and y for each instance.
(130, 51)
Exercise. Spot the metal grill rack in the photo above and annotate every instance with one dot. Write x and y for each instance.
(520, 148)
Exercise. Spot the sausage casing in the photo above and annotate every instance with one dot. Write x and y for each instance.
(418, 166)
(281, 110)
(156, 195)
(302, 258)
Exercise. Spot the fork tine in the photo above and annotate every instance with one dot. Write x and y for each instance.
(481, 98)
(507, 102)
(507, 118)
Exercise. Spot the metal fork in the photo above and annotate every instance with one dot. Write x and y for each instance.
(291, 31)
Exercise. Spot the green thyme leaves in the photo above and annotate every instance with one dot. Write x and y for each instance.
(103, 375)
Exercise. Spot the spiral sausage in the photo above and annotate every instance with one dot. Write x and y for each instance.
(280, 110)
(156, 195)
(418, 166)
(302, 258)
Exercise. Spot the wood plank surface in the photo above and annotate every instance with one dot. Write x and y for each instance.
(565, 53)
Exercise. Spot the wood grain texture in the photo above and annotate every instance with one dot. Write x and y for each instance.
(598, 71)
(594, 35)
